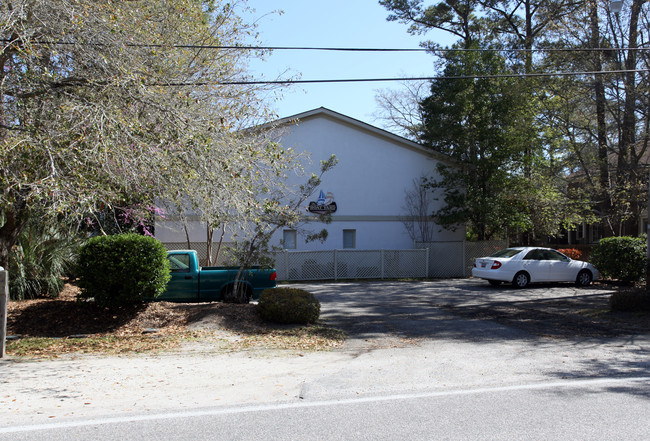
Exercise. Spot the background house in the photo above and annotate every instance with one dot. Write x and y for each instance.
(365, 192)
(368, 185)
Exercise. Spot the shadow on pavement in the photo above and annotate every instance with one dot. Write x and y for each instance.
(472, 310)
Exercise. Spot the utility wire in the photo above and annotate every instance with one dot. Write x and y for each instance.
(360, 80)
(317, 48)
(367, 80)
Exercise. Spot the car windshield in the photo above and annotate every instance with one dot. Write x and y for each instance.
(508, 252)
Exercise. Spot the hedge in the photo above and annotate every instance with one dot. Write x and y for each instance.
(122, 269)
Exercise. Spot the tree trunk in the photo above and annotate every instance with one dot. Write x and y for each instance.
(647, 271)
(15, 223)
(238, 293)
(223, 233)
(187, 236)
(599, 92)
(208, 245)
(528, 66)
(628, 135)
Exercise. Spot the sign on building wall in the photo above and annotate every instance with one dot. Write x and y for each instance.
(324, 205)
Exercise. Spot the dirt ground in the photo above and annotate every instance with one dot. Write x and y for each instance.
(64, 316)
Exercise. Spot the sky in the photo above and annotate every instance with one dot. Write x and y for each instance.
(335, 23)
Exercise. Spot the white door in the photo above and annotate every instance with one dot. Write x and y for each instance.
(559, 266)
(536, 266)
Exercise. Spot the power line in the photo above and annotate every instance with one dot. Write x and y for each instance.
(344, 80)
(321, 48)
(367, 80)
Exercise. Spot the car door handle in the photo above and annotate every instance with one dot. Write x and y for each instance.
(188, 277)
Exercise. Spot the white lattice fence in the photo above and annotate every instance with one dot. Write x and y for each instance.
(432, 259)
(446, 259)
(350, 264)
(310, 265)
(405, 263)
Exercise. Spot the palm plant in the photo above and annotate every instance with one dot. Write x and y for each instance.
(40, 261)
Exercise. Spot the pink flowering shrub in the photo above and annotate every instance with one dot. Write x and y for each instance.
(571, 252)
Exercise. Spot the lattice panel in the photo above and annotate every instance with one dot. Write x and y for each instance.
(445, 259)
(358, 264)
(405, 264)
(310, 265)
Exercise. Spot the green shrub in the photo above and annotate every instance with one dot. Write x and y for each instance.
(635, 300)
(622, 258)
(122, 269)
(288, 305)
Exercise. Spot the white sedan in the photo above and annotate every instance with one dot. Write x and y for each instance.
(524, 265)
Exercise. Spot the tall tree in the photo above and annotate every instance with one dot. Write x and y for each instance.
(457, 17)
(99, 99)
(604, 118)
(566, 135)
(475, 121)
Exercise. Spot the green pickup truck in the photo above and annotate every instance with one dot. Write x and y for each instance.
(191, 283)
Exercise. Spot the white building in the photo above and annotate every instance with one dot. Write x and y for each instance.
(365, 192)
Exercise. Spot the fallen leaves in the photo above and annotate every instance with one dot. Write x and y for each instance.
(55, 327)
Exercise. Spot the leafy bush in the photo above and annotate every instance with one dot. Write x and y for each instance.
(622, 258)
(43, 256)
(288, 305)
(122, 269)
(636, 300)
(572, 253)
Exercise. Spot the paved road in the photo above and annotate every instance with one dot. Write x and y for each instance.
(403, 346)
(576, 410)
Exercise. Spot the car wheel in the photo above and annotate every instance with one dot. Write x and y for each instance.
(521, 280)
(495, 282)
(584, 278)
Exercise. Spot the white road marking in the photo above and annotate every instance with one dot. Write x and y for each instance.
(307, 404)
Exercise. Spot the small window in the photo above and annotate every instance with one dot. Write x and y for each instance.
(535, 255)
(554, 255)
(289, 239)
(349, 238)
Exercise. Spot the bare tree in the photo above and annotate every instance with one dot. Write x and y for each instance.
(400, 110)
(273, 208)
(417, 219)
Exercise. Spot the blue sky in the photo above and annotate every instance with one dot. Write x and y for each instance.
(335, 23)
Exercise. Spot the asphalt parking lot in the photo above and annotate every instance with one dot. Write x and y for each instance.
(430, 309)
